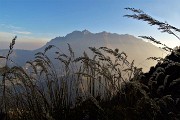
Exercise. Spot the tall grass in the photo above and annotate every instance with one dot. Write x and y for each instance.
(103, 86)
(48, 88)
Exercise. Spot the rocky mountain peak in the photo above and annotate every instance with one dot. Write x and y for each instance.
(86, 32)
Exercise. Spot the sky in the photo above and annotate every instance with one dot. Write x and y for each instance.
(36, 22)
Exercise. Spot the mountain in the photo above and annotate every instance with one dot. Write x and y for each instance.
(135, 48)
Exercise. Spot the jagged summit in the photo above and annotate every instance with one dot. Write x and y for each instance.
(79, 32)
(86, 33)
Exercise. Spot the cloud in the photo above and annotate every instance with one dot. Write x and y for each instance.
(5, 34)
(15, 29)
(22, 42)
(23, 32)
(12, 27)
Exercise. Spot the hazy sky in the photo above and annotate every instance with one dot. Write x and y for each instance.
(37, 21)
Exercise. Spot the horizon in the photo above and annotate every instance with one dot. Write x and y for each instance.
(36, 22)
(19, 44)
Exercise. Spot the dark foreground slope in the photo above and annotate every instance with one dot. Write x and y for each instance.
(154, 95)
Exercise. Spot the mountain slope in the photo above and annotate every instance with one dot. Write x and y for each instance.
(135, 48)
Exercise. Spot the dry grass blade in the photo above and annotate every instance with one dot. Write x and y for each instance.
(48, 48)
(134, 10)
(162, 26)
(165, 47)
(159, 59)
(4, 101)
(70, 50)
(2, 57)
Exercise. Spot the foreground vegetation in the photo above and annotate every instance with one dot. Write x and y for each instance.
(105, 86)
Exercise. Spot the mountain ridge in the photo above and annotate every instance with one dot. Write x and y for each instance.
(136, 49)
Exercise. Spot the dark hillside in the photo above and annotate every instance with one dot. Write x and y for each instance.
(163, 82)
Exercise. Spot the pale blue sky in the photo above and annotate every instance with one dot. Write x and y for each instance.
(37, 21)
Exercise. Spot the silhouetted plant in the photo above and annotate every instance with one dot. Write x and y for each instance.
(163, 79)
(93, 87)
(162, 26)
